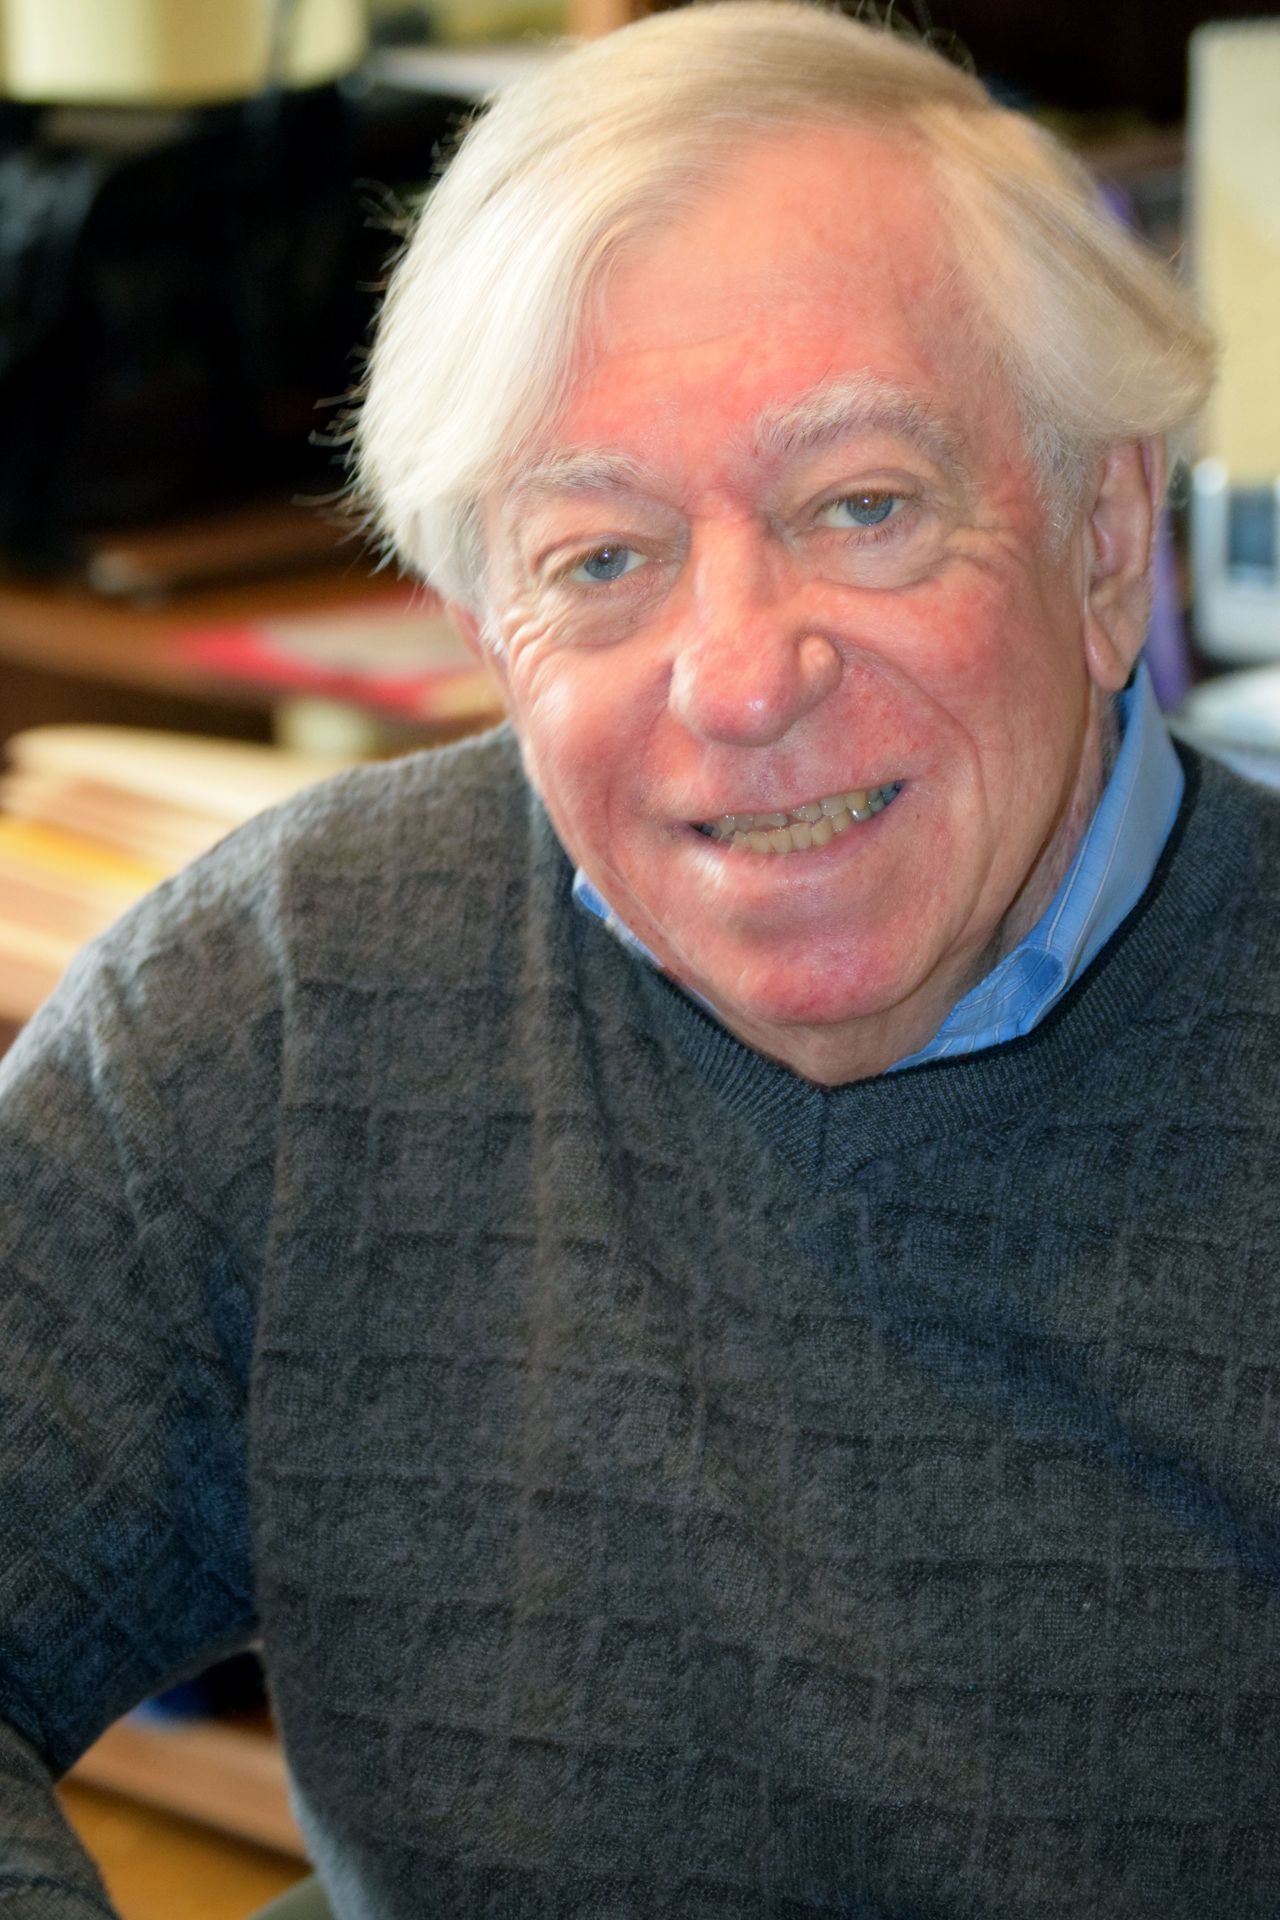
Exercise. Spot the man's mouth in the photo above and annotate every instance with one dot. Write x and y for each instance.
(802, 828)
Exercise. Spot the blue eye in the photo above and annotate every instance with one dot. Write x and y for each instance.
(606, 563)
(859, 510)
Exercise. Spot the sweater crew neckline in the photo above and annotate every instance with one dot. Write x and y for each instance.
(829, 1134)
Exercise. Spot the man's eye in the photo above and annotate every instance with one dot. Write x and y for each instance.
(607, 563)
(860, 510)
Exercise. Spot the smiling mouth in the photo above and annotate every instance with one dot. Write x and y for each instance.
(803, 828)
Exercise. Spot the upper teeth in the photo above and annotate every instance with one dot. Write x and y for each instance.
(811, 825)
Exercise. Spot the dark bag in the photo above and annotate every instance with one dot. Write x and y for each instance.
(180, 292)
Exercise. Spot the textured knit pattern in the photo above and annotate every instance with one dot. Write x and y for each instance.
(661, 1487)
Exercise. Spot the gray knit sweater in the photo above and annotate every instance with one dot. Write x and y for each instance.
(661, 1487)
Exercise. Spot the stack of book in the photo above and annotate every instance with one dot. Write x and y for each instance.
(92, 817)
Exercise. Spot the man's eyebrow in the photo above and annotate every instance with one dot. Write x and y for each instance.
(836, 410)
(597, 471)
(860, 403)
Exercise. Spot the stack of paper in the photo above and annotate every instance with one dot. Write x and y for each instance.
(92, 817)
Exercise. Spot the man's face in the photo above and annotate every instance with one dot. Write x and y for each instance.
(784, 546)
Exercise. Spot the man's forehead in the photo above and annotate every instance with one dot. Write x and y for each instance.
(829, 414)
(818, 219)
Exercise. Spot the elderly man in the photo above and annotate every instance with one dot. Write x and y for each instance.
(701, 1270)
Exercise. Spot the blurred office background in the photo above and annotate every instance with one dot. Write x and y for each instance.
(197, 199)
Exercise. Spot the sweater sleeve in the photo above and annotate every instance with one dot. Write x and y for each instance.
(137, 1124)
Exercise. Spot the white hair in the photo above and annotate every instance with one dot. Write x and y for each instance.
(620, 136)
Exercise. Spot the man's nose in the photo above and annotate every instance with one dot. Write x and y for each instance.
(750, 661)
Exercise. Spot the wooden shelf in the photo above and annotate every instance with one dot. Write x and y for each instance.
(72, 632)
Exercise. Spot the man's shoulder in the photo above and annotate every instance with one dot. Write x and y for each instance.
(317, 881)
(387, 865)
(362, 810)
(1235, 826)
(1219, 914)
(367, 830)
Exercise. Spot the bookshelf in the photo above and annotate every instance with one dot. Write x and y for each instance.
(70, 654)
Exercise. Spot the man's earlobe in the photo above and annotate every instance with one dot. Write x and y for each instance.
(1119, 548)
(469, 626)
(466, 623)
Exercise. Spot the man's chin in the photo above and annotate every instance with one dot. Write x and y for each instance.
(821, 999)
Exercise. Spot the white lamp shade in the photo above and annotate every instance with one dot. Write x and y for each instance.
(154, 52)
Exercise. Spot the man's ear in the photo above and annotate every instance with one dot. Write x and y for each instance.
(468, 625)
(1119, 549)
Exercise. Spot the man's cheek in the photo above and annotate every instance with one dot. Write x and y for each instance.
(966, 636)
(990, 665)
(566, 756)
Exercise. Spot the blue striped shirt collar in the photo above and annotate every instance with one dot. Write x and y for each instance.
(1107, 877)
